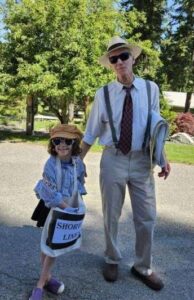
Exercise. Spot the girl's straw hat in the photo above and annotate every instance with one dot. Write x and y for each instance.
(66, 131)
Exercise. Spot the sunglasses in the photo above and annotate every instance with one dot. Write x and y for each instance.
(58, 141)
(123, 56)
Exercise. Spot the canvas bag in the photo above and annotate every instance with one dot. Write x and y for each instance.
(62, 230)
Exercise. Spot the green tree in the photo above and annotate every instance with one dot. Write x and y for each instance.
(145, 29)
(153, 12)
(178, 49)
(52, 49)
(168, 114)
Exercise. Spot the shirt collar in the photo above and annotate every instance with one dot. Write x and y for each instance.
(136, 84)
(119, 86)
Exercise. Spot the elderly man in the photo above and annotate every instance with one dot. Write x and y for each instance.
(120, 126)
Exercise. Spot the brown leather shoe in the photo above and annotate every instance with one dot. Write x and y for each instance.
(152, 281)
(110, 272)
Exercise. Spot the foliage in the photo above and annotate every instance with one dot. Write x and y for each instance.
(153, 13)
(168, 114)
(44, 125)
(185, 123)
(89, 107)
(178, 47)
(51, 49)
(149, 62)
(138, 29)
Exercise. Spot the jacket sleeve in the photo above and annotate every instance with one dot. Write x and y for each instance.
(46, 188)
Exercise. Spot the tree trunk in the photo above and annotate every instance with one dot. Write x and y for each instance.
(30, 111)
(71, 112)
(86, 101)
(188, 102)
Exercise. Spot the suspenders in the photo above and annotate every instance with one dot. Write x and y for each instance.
(109, 112)
(147, 132)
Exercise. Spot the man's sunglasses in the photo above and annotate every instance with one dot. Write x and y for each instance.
(123, 56)
(58, 141)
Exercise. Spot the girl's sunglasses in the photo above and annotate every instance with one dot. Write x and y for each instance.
(58, 141)
(123, 56)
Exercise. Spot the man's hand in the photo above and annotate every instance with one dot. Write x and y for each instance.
(84, 150)
(86, 175)
(165, 171)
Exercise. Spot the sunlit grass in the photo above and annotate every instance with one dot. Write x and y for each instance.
(180, 153)
(18, 137)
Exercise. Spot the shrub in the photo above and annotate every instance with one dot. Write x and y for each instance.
(168, 114)
(185, 123)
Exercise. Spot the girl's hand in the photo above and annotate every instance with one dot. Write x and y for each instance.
(63, 205)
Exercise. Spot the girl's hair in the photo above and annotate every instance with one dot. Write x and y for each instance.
(76, 150)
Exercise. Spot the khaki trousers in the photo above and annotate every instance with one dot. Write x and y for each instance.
(117, 171)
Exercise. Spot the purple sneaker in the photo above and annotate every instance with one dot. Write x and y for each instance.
(54, 286)
(37, 294)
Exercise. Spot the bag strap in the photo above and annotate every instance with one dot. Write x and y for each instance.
(59, 175)
(147, 132)
(75, 188)
(109, 112)
(73, 201)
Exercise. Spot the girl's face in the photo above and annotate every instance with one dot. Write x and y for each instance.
(63, 147)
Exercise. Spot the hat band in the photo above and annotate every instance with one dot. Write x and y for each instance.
(115, 46)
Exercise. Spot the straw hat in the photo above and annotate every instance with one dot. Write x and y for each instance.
(66, 131)
(118, 43)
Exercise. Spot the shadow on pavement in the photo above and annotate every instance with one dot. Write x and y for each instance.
(173, 251)
(81, 270)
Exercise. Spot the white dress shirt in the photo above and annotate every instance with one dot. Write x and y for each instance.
(98, 123)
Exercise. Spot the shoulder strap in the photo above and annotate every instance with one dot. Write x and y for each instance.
(75, 175)
(74, 198)
(147, 132)
(73, 201)
(58, 174)
(109, 111)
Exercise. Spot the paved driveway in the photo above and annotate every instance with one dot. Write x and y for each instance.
(173, 253)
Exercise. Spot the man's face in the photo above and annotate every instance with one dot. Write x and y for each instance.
(121, 61)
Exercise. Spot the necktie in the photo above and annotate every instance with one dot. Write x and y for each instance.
(126, 123)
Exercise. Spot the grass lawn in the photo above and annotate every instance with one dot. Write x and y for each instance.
(180, 153)
(18, 137)
(175, 152)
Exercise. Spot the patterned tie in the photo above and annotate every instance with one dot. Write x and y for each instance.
(126, 123)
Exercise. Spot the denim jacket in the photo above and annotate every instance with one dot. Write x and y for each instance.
(46, 188)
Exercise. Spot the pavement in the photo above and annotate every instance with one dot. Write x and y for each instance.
(173, 251)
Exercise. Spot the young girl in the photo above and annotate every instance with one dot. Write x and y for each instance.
(64, 146)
